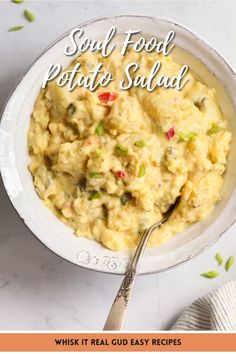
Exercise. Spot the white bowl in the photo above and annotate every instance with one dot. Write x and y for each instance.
(205, 62)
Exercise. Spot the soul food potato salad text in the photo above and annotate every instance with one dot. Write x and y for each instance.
(109, 163)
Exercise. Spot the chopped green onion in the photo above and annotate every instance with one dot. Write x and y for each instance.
(187, 136)
(211, 274)
(96, 175)
(29, 16)
(95, 195)
(17, 1)
(140, 143)
(182, 136)
(100, 129)
(142, 170)
(122, 149)
(229, 263)
(125, 198)
(16, 28)
(219, 258)
(192, 135)
(98, 152)
(214, 129)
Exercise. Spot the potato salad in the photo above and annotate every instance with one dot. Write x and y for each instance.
(109, 163)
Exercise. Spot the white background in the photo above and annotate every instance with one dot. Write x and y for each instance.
(40, 291)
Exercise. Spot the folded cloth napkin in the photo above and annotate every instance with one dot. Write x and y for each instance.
(215, 311)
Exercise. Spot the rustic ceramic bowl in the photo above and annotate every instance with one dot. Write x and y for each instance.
(205, 62)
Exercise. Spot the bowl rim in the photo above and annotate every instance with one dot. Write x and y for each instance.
(201, 249)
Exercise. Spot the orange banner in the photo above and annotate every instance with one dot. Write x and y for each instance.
(118, 342)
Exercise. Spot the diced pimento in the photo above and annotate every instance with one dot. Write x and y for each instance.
(170, 133)
(106, 97)
(120, 174)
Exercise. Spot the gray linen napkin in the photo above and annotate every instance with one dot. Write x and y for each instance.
(215, 311)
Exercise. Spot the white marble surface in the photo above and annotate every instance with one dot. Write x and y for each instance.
(38, 290)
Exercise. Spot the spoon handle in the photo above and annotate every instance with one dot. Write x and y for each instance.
(117, 314)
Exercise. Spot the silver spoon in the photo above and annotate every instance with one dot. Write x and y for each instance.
(117, 314)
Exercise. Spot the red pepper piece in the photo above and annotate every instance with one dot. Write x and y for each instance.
(170, 133)
(106, 97)
(121, 174)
